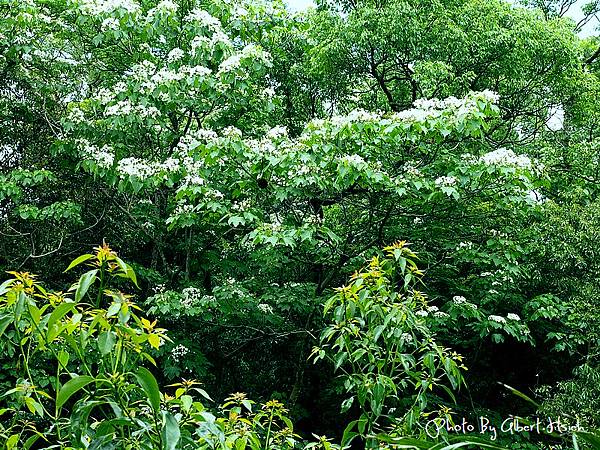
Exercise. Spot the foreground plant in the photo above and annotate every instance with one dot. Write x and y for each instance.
(379, 339)
(78, 379)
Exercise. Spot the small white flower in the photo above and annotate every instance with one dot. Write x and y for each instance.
(498, 319)
(422, 313)
(277, 132)
(459, 300)
(179, 351)
(265, 308)
(513, 316)
(407, 337)
(110, 23)
(175, 55)
(445, 181)
(464, 245)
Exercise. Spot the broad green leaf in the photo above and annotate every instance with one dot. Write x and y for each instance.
(170, 432)
(5, 287)
(86, 280)
(148, 383)
(71, 387)
(59, 312)
(12, 441)
(106, 342)
(5, 321)
(79, 260)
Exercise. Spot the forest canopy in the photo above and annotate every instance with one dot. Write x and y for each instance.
(343, 227)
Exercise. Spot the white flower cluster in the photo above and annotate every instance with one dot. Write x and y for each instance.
(98, 7)
(232, 132)
(175, 55)
(166, 5)
(352, 160)
(136, 167)
(422, 313)
(191, 295)
(445, 181)
(465, 245)
(204, 18)
(103, 157)
(183, 208)
(410, 169)
(110, 23)
(265, 308)
(459, 300)
(250, 51)
(505, 157)
(179, 352)
(426, 109)
(513, 316)
(277, 132)
(126, 108)
(497, 319)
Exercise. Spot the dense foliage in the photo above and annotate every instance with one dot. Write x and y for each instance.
(261, 173)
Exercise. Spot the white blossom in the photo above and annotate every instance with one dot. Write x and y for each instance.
(445, 181)
(98, 7)
(179, 352)
(277, 132)
(110, 23)
(505, 157)
(232, 132)
(498, 319)
(513, 316)
(352, 160)
(135, 167)
(265, 308)
(191, 295)
(459, 300)
(175, 55)
(465, 245)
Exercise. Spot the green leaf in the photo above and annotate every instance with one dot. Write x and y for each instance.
(71, 387)
(590, 438)
(77, 261)
(170, 432)
(84, 284)
(11, 442)
(520, 394)
(63, 358)
(130, 273)
(148, 383)
(106, 342)
(5, 321)
(5, 287)
(59, 312)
